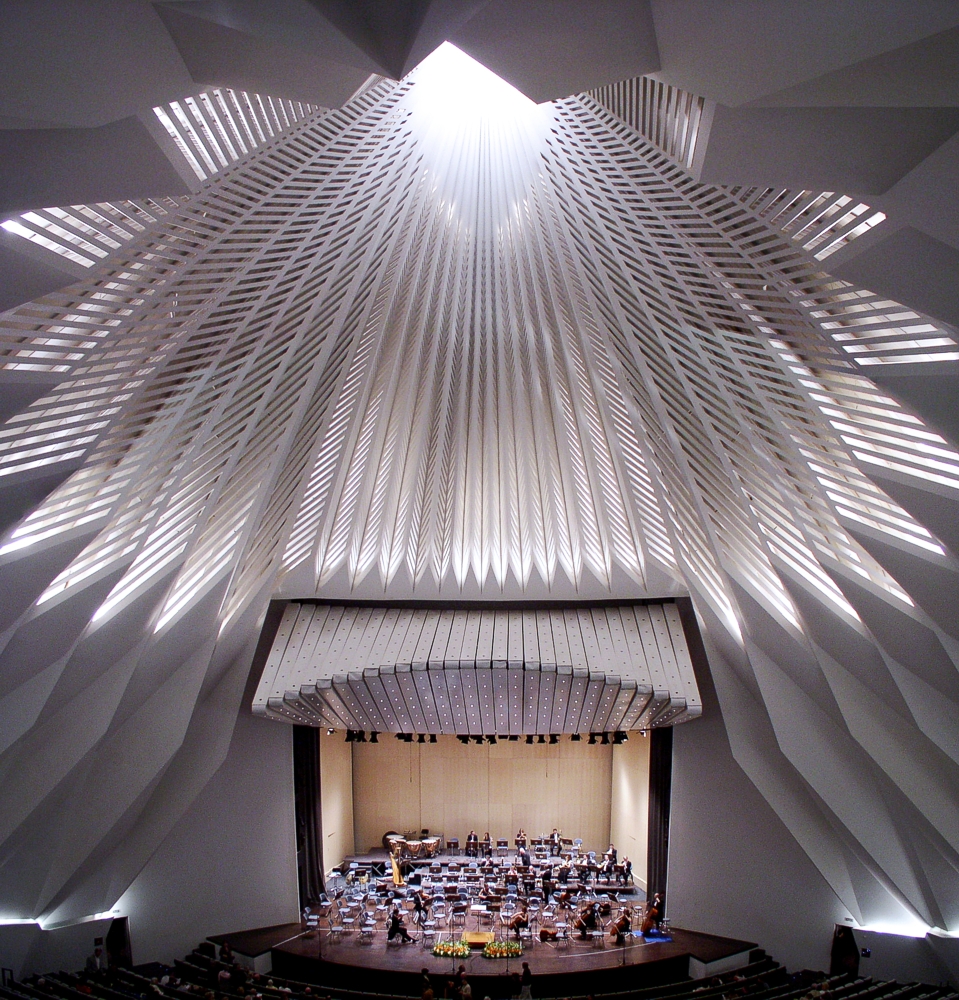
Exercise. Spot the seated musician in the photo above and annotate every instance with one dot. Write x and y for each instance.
(607, 869)
(587, 920)
(396, 927)
(610, 855)
(518, 920)
(547, 882)
(554, 842)
(487, 845)
(627, 871)
(621, 925)
(512, 876)
(472, 844)
(564, 871)
(654, 911)
(521, 838)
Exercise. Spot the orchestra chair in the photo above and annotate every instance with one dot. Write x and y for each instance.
(428, 934)
(562, 932)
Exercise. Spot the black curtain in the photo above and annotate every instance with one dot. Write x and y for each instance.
(660, 786)
(306, 792)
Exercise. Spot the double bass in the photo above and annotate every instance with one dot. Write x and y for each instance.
(651, 916)
(622, 925)
(587, 920)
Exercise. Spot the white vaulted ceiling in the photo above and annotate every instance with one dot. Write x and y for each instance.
(442, 342)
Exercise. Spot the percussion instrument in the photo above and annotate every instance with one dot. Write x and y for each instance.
(414, 847)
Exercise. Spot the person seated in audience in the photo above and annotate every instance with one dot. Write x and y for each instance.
(226, 953)
(397, 928)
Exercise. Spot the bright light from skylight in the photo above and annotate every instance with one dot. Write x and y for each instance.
(451, 86)
(480, 137)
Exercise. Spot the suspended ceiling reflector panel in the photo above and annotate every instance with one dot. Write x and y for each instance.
(503, 672)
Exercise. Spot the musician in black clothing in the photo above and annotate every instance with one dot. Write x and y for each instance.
(610, 855)
(472, 844)
(396, 927)
(627, 872)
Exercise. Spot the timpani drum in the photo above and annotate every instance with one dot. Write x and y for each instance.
(415, 847)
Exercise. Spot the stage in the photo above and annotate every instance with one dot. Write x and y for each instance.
(560, 968)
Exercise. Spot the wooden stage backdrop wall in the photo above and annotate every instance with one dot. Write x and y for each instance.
(336, 799)
(450, 788)
(629, 813)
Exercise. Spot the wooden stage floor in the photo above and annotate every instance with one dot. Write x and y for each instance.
(560, 969)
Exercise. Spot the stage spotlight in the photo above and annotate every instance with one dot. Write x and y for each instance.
(592, 738)
(643, 733)
(421, 738)
(605, 739)
(553, 739)
(575, 738)
(465, 740)
(541, 739)
(432, 737)
(491, 740)
(618, 738)
(330, 732)
(373, 737)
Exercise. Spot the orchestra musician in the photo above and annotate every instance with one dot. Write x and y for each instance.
(653, 913)
(524, 856)
(521, 838)
(563, 873)
(627, 871)
(610, 855)
(607, 869)
(487, 845)
(421, 906)
(472, 844)
(621, 925)
(587, 920)
(518, 920)
(397, 928)
(554, 842)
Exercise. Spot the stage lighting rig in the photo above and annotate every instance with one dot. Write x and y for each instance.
(575, 738)
(605, 739)
(432, 737)
(491, 740)
(529, 740)
(421, 738)
(465, 740)
(553, 739)
(592, 739)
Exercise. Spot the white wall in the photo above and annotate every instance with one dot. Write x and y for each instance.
(336, 799)
(230, 863)
(734, 868)
(450, 788)
(629, 806)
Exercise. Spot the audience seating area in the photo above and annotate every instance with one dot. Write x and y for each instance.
(202, 975)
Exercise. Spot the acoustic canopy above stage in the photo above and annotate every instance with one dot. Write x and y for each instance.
(497, 672)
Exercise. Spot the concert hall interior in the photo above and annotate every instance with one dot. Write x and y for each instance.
(421, 417)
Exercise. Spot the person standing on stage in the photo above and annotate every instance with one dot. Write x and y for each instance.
(472, 844)
(554, 842)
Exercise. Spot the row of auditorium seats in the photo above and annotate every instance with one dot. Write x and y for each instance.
(763, 979)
